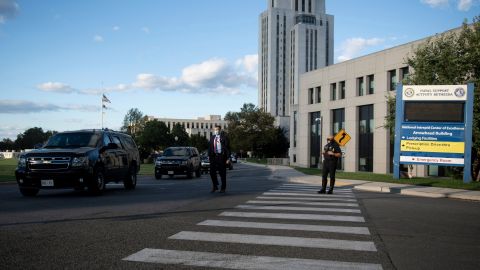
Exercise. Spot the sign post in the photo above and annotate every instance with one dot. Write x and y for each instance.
(434, 126)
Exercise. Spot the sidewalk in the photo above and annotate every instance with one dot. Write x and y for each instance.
(295, 176)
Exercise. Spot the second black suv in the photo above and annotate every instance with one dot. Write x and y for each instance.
(79, 159)
(178, 160)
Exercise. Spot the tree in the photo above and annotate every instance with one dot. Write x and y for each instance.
(178, 132)
(7, 144)
(451, 58)
(134, 122)
(200, 142)
(251, 129)
(32, 137)
(154, 136)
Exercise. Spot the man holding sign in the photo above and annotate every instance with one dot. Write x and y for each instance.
(331, 152)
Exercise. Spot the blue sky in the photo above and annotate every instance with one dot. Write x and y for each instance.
(176, 59)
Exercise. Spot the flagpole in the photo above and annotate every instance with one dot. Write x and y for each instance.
(102, 106)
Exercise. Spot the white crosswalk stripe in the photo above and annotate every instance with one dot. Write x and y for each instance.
(284, 207)
(234, 261)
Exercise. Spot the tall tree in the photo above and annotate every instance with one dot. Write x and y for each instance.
(133, 122)
(32, 137)
(155, 136)
(179, 135)
(7, 144)
(251, 129)
(199, 141)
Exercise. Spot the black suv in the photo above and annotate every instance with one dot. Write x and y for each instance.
(178, 160)
(79, 159)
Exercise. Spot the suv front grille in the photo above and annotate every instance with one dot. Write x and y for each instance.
(48, 163)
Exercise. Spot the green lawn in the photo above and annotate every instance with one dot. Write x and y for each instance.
(147, 169)
(429, 182)
(257, 160)
(7, 169)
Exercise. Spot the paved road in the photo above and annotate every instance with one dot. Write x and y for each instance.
(262, 222)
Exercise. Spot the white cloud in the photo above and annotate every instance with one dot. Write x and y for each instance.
(116, 28)
(352, 47)
(98, 38)
(214, 75)
(24, 107)
(464, 5)
(146, 30)
(436, 3)
(8, 10)
(55, 87)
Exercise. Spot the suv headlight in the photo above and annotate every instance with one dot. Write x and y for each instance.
(22, 162)
(158, 162)
(80, 162)
(184, 162)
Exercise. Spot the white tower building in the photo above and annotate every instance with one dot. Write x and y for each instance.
(296, 36)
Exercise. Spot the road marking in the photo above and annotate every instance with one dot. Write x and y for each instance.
(234, 261)
(310, 189)
(305, 194)
(280, 226)
(314, 199)
(294, 216)
(275, 240)
(320, 198)
(289, 208)
(304, 203)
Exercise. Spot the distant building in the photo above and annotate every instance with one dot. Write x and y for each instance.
(295, 36)
(201, 126)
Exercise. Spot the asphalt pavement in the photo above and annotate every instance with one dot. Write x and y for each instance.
(262, 222)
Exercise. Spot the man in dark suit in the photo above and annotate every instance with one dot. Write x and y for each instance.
(331, 152)
(219, 154)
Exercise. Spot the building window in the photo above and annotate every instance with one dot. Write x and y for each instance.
(404, 73)
(333, 91)
(319, 94)
(392, 80)
(371, 84)
(188, 125)
(342, 90)
(310, 96)
(303, 5)
(338, 123)
(315, 138)
(201, 125)
(295, 123)
(310, 6)
(365, 141)
(296, 5)
(360, 86)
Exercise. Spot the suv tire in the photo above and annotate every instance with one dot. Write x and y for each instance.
(29, 192)
(130, 181)
(158, 176)
(97, 183)
(198, 172)
(190, 173)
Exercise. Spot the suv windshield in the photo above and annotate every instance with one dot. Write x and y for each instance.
(73, 140)
(175, 152)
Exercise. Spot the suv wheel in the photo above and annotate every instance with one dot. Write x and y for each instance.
(198, 172)
(158, 176)
(97, 183)
(29, 192)
(130, 181)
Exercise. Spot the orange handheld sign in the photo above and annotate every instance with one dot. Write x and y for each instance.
(342, 137)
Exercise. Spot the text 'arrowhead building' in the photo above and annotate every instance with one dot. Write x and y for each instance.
(296, 36)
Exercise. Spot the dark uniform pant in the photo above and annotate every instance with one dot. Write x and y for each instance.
(329, 167)
(218, 163)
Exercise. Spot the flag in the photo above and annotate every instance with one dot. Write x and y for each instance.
(105, 99)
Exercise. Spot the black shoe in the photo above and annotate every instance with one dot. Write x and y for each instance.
(214, 189)
(322, 191)
(330, 191)
(222, 191)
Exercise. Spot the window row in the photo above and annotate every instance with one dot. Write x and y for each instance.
(195, 125)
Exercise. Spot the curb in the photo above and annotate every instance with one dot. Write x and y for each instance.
(402, 189)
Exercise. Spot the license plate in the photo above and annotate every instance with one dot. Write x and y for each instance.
(171, 172)
(47, 183)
